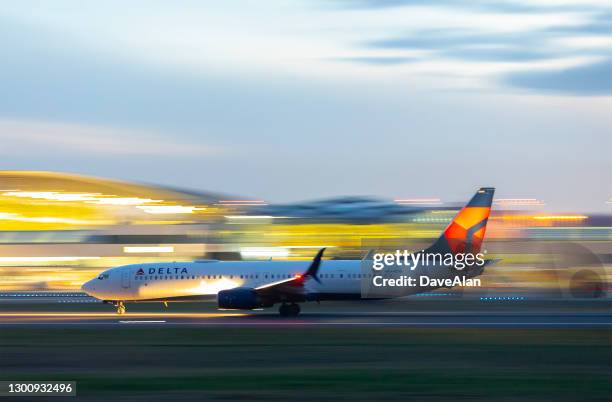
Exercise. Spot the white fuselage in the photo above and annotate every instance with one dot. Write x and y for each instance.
(174, 280)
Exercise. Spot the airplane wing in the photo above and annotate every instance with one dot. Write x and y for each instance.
(291, 287)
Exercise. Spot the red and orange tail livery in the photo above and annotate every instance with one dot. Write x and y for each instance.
(466, 232)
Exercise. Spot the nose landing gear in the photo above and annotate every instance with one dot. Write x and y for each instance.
(289, 310)
(120, 308)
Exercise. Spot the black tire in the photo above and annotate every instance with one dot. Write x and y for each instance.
(284, 310)
(289, 310)
(295, 309)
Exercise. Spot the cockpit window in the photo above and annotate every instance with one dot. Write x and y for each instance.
(103, 276)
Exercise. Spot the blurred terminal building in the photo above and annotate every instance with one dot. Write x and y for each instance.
(57, 230)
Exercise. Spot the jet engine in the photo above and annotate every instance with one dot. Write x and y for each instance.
(239, 299)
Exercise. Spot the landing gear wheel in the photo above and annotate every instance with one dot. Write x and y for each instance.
(289, 310)
(120, 308)
(295, 309)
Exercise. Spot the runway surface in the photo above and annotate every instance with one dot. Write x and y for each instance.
(335, 318)
(75, 309)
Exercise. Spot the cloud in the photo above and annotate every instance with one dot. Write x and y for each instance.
(384, 60)
(499, 54)
(592, 79)
(35, 137)
(561, 44)
(202, 50)
(474, 4)
(600, 23)
(497, 5)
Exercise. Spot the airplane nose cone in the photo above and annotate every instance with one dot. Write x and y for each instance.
(88, 288)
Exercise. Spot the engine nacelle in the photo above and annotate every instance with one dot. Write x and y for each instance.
(239, 299)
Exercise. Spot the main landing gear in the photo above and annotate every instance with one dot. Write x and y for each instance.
(120, 308)
(289, 310)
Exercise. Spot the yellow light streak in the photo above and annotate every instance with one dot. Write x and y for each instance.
(519, 202)
(21, 261)
(45, 259)
(10, 216)
(112, 200)
(264, 252)
(560, 217)
(253, 217)
(95, 198)
(51, 195)
(169, 209)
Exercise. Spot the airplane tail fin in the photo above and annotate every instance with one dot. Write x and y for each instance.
(467, 230)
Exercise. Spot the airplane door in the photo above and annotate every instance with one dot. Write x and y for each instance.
(125, 279)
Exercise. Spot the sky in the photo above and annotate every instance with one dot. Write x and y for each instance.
(297, 100)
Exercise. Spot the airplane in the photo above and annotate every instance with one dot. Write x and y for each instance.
(250, 285)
